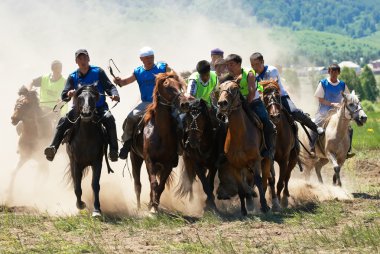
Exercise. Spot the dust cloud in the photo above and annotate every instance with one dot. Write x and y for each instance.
(34, 33)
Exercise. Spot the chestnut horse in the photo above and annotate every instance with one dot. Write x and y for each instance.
(287, 149)
(201, 136)
(160, 148)
(243, 146)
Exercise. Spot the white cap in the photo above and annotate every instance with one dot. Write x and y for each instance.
(146, 51)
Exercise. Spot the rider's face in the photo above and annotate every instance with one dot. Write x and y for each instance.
(83, 61)
(334, 73)
(257, 65)
(233, 68)
(205, 77)
(148, 62)
(57, 69)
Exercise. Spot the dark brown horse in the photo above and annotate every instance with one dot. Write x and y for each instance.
(87, 144)
(33, 126)
(201, 136)
(243, 145)
(160, 138)
(287, 149)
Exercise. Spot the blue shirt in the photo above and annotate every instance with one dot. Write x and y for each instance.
(332, 94)
(146, 79)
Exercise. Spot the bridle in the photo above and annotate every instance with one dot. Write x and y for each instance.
(165, 102)
(272, 100)
(230, 103)
(351, 112)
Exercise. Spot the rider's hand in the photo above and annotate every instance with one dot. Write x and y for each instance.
(189, 96)
(71, 93)
(115, 98)
(117, 81)
(335, 105)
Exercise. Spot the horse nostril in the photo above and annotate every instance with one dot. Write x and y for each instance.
(222, 103)
(363, 119)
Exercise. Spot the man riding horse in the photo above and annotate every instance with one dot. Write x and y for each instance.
(145, 77)
(329, 94)
(267, 72)
(86, 75)
(248, 88)
(51, 86)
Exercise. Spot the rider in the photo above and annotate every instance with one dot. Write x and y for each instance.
(145, 77)
(248, 88)
(87, 74)
(216, 54)
(329, 94)
(203, 83)
(267, 72)
(51, 86)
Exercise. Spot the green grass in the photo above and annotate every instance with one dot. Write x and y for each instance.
(368, 136)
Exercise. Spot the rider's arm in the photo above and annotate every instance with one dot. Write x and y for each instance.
(191, 88)
(168, 69)
(36, 82)
(109, 88)
(68, 87)
(251, 87)
(124, 82)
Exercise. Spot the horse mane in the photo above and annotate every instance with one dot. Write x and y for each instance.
(270, 85)
(160, 78)
(30, 94)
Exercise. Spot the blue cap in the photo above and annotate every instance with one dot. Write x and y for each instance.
(217, 51)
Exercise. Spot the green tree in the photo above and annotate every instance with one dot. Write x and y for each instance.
(352, 81)
(368, 82)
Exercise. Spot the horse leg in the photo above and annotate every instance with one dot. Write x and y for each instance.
(20, 163)
(242, 196)
(78, 173)
(161, 186)
(211, 178)
(318, 166)
(201, 173)
(96, 172)
(336, 177)
(259, 183)
(272, 182)
(281, 179)
(136, 171)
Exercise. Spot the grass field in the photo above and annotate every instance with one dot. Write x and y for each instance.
(368, 136)
(332, 226)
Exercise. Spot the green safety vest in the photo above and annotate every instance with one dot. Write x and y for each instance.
(244, 82)
(204, 92)
(50, 92)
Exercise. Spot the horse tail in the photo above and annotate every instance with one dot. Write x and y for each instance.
(186, 180)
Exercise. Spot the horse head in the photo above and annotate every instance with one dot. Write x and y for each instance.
(354, 109)
(229, 98)
(85, 100)
(169, 89)
(197, 119)
(272, 99)
(26, 104)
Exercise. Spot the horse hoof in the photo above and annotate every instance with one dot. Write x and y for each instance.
(250, 204)
(284, 202)
(276, 206)
(265, 209)
(81, 205)
(244, 212)
(96, 214)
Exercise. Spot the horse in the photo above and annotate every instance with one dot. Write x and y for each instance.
(87, 144)
(33, 126)
(201, 137)
(287, 148)
(334, 145)
(243, 145)
(157, 145)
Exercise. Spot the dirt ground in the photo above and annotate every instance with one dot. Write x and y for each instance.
(321, 218)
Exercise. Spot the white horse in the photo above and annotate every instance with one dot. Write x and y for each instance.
(334, 145)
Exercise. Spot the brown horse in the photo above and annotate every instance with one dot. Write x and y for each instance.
(35, 128)
(160, 148)
(287, 149)
(202, 135)
(243, 145)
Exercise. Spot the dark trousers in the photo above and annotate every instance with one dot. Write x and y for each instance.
(269, 128)
(297, 113)
(106, 118)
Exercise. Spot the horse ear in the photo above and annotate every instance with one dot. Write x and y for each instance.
(353, 93)
(238, 79)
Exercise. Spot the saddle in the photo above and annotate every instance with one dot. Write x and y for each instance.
(70, 133)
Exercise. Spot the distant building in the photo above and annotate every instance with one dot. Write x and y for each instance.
(375, 66)
(350, 65)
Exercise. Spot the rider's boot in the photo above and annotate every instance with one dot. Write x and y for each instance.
(51, 150)
(125, 149)
(114, 148)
